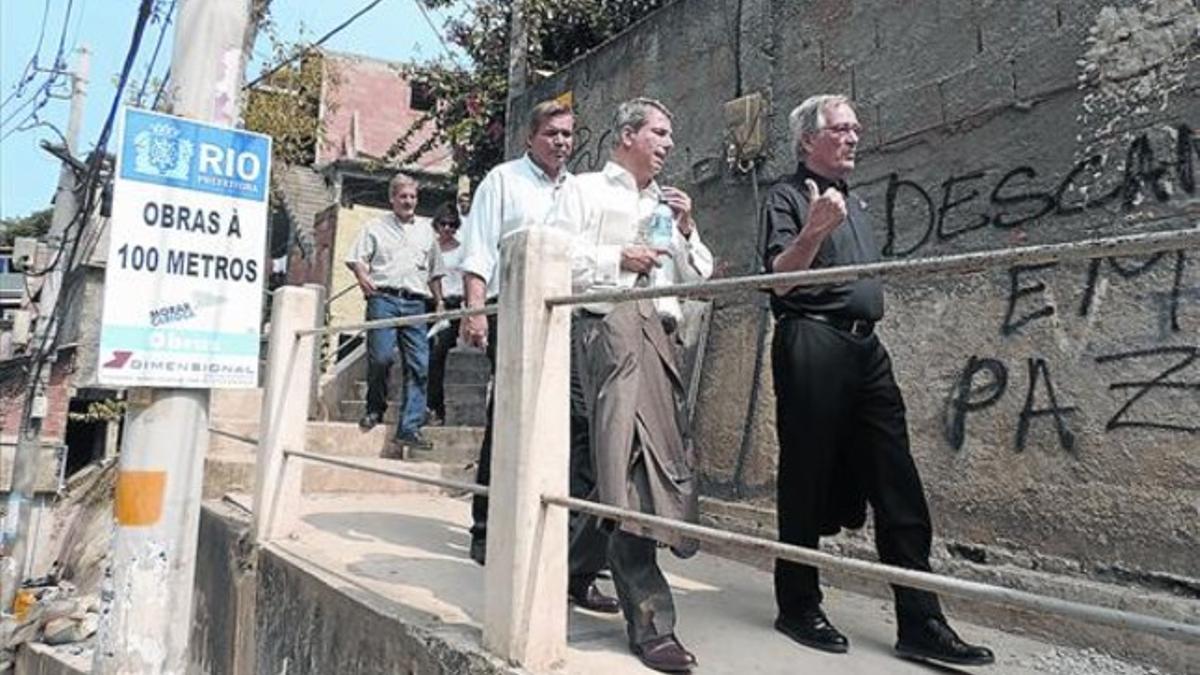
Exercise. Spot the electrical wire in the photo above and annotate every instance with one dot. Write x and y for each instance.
(162, 85)
(56, 71)
(428, 20)
(90, 182)
(30, 67)
(162, 33)
(300, 53)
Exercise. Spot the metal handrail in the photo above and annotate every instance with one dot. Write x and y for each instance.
(962, 263)
(401, 321)
(237, 437)
(473, 488)
(339, 294)
(896, 575)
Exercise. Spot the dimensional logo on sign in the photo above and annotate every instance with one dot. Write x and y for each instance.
(161, 152)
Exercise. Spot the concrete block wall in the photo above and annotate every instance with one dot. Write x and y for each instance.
(1053, 410)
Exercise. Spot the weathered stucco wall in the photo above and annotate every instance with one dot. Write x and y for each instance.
(1055, 410)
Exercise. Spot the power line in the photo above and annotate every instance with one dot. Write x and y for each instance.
(162, 84)
(31, 66)
(300, 53)
(56, 71)
(162, 33)
(425, 13)
(96, 161)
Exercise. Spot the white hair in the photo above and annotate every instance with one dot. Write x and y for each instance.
(809, 117)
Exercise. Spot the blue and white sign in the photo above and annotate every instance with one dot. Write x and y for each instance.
(186, 264)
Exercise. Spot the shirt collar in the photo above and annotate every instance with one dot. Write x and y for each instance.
(400, 223)
(803, 173)
(542, 175)
(617, 173)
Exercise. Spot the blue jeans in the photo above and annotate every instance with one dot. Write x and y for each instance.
(381, 352)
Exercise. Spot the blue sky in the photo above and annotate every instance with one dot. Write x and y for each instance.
(392, 30)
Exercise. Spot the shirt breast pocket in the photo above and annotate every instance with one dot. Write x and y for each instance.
(419, 259)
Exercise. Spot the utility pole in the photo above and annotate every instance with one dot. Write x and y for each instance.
(147, 613)
(17, 548)
(518, 67)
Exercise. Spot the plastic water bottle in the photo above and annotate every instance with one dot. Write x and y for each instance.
(660, 232)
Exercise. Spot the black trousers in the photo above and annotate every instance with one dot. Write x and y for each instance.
(439, 350)
(483, 471)
(838, 408)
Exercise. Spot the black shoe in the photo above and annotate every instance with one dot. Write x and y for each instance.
(592, 598)
(811, 628)
(479, 551)
(933, 639)
(414, 441)
(665, 655)
(370, 420)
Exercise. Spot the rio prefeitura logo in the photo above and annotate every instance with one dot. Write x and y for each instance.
(159, 151)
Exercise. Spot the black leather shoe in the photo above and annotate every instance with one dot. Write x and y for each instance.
(665, 655)
(414, 441)
(811, 628)
(370, 420)
(933, 639)
(592, 598)
(479, 551)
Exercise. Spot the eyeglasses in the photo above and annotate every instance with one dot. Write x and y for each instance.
(844, 129)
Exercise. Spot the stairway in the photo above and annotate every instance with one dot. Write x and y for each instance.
(466, 385)
(234, 432)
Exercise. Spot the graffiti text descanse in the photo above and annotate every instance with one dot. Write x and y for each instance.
(963, 203)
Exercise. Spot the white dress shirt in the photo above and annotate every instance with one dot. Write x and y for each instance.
(513, 195)
(605, 212)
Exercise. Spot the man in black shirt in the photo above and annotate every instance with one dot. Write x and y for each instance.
(843, 438)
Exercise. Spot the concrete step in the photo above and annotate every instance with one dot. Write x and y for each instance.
(451, 445)
(352, 410)
(466, 405)
(467, 366)
(229, 463)
(234, 405)
(235, 473)
(232, 437)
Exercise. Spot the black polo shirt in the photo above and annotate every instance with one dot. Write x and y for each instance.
(852, 242)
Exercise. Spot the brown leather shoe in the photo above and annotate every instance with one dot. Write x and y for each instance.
(665, 655)
(594, 599)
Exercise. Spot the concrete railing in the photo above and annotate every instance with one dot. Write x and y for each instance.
(526, 575)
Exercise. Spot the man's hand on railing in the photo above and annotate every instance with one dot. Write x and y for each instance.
(473, 330)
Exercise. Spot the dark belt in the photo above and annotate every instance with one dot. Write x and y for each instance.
(402, 293)
(855, 327)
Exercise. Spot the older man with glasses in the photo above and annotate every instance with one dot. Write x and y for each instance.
(843, 437)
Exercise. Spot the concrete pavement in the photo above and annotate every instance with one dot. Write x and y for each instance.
(410, 551)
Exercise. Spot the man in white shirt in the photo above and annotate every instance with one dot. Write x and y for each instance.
(398, 266)
(517, 194)
(632, 387)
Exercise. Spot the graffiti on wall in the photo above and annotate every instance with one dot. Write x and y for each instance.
(984, 381)
(1156, 169)
(591, 150)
